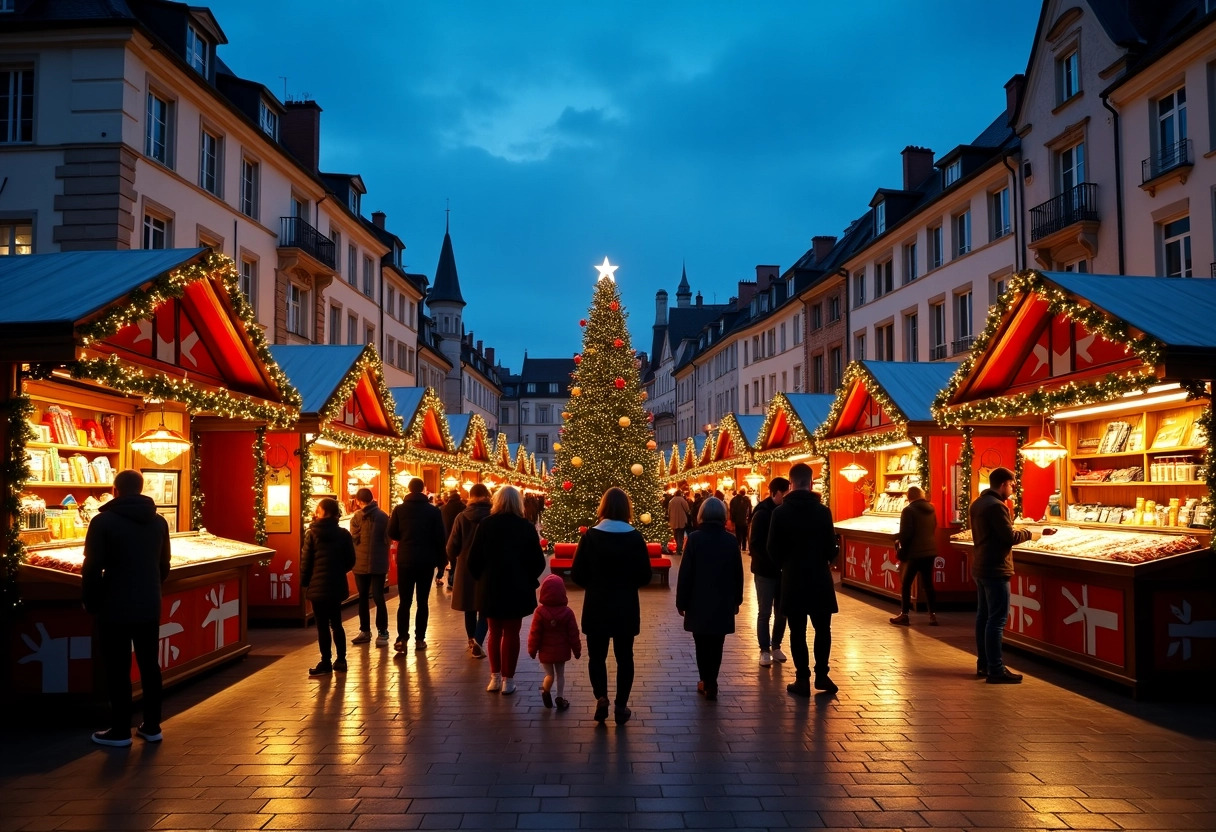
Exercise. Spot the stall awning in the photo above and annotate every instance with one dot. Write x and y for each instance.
(750, 427)
(340, 385)
(790, 422)
(880, 396)
(425, 425)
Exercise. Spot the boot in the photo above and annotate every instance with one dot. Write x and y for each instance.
(901, 619)
(932, 619)
(620, 713)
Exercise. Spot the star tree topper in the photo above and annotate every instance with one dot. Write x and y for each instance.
(607, 271)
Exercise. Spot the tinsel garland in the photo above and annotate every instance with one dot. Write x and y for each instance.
(966, 459)
(196, 479)
(18, 411)
(864, 442)
(259, 486)
(1019, 468)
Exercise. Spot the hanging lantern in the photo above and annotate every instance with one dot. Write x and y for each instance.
(754, 479)
(637, 469)
(853, 472)
(1045, 450)
(623, 421)
(450, 482)
(467, 485)
(363, 473)
(161, 444)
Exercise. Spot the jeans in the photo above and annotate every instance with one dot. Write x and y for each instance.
(768, 594)
(411, 585)
(503, 649)
(328, 616)
(992, 610)
(822, 622)
(371, 585)
(924, 568)
(117, 639)
(597, 665)
(678, 534)
(709, 656)
(475, 626)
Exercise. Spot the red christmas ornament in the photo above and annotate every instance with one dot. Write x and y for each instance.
(544, 544)
(567, 485)
(582, 529)
(614, 306)
(578, 359)
(618, 343)
(548, 503)
(582, 322)
(649, 417)
(620, 384)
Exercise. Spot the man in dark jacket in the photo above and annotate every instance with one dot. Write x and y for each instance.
(766, 573)
(802, 540)
(993, 537)
(740, 513)
(369, 529)
(451, 510)
(679, 517)
(417, 526)
(126, 559)
(917, 550)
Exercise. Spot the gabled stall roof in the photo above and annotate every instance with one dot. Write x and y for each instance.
(471, 436)
(790, 423)
(750, 426)
(879, 397)
(425, 425)
(340, 385)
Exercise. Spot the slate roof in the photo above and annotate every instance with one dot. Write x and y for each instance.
(1189, 319)
(811, 408)
(91, 280)
(316, 370)
(447, 282)
(750, 426)
(546, 369)
(912, 385)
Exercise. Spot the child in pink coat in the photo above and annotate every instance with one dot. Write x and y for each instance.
(553, 638)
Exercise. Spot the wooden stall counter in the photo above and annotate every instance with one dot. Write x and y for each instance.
(869, 561)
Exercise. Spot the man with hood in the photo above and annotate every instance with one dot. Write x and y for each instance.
(917, 543)
(802, 539)
(369, 529)
(417, 526)
(126, 559)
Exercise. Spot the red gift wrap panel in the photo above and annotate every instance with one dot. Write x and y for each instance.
(1085, 618)
(1184, 630)
(277, 584)
(871, 563)
(53, 650)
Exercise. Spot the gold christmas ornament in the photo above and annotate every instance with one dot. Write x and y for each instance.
(590, 350)
(576, 461)
(637, 469)
(565, 414)
(623, 421)
(557, 446)
(576, 391)
(651, 445)
(645, 518)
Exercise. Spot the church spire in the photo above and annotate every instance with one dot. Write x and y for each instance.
(683, 291)
(447, 282)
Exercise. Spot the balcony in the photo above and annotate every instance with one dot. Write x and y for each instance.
(295, 233)
(962, 345)
(1065, 227)
(937, 351)
(1214, 270)
(1171, 163)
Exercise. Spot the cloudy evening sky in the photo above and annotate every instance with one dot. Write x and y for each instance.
(723, 134)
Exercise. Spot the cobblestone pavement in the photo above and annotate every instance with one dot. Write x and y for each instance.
(912, 740)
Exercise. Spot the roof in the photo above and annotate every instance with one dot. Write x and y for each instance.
(1188, 322)
(546, 369)
(458, 423)
(316, 370)
(750, 428)
(811, 408)
(96, 279)
(447, 283)
(407, 400)
(911, 385)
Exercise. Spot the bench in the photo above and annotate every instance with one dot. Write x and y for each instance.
(563, 561)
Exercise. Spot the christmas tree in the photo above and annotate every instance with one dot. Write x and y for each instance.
(606, 436)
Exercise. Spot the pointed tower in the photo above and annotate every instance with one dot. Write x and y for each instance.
(446, 306)
(683, 291)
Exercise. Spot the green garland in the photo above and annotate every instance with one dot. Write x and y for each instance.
(922, 464)
(1019, 468)
(827, 481)
(865, 442)
(259, 486)
(196, 479)
(801, 439)
(358, 442)
(367, 362)
(307, 507)
(16, 469)
(966, 459)
(857, 371)
(1207, 420)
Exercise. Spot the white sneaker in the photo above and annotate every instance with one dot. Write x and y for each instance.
(508, 687)
(495, 683)
(778, 655)
(382, 640)
(766, 658)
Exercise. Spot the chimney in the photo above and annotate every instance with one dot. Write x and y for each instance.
(479, 345)
(490, 356)
(747, 291)
(699, 299)
(378, 218)
(1014, 88)
(822, 246)
(660, 308)
(765, 275)
(918, 164)
(300, 132)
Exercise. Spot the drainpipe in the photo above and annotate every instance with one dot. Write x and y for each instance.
(1019, 255)
(848, 312)
(1118, 179)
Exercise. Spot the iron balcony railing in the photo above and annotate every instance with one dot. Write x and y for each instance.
(1166, 159)
(937, 351)
(296, 233)
(1077, 204)
(963, 344)
(1214, 270)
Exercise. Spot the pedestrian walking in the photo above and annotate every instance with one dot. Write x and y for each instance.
(611, 563)
(766, 574)
(553, 639)
(709, 591)
(369, 531)
(740, 515)
(451, 510)
(417, 526)
(917, 544)
(126, 559)
(698, 497)
(678, 517)
(802, 540)
(327, 555)
(506, 560)
(464, 585)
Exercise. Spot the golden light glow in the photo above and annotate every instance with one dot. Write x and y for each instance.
(364, 473)
(853, 472)
(607, 270)
(450, 482)
(161, 445)
(1128, 401)
(754, 479)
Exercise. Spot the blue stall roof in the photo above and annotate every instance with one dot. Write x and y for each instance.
(458, 423)
(407, 399)
(811, 408)
(90, 281)
(698, 443)
(1186, 321)
(316, 370)
(911, 385)
(750, 427)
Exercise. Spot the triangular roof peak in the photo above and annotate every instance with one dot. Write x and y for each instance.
(447, 282)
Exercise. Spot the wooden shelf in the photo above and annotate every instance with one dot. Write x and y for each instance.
(61, 484)
(1136, 483)
(1179, 451)
(80, 448)
(1121, 454)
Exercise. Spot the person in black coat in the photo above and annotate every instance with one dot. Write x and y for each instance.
(417, 526)
(740, 514)
(802, 540)
(917, 543)
(452, 508)
(611, 563)
(766, 574)
(464, 586)
(710, 590)
(506, 561)
(369, 530)
(327, 555)
(126, 559)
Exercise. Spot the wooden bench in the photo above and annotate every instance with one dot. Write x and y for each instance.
(563, 561)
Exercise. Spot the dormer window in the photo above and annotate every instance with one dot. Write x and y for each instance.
(197, 49)
(268, 120)
(354, 201)
(952, 173)
(880, 217)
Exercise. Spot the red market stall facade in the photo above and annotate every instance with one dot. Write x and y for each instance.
(1125, 589)
(429, 447)
(100, 377)
(787, 435)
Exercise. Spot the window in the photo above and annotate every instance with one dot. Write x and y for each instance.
(937, 331)
(817, 316)
(530, 387)
(158, 132)
(268, 120)
(952, 173)
(834, 309)
(998, 285)
(962, 323)
(553, 387)
(297, 306)
(837, 367)
(16, 104)
(884, 342)
(352, 329)
(156, 231)
(859, 288)
(781, 343)
(196, 50)
(798, 328)
(391, 306)
(542, 443)
(937, 247)
(859, 346)
(368, 283)
(911, 338)
(962, 234)
(797, 378)
(335, 324)
(505, 416)
(249, 279)
(910, 272)
(999, 211)
(772, 342)
(542, 414)
(369, 334)
(249, 188)
(16, 237)
(210, 153)
(1176, 247)
(817, 374)
(1080, 266)
(352, 265)
(1068, 68)
(1171, 131)
(390, 351)
(880, 218)
(1072, 167)
(336, 236)
(525, 414)
(403, 357)
(884, 278)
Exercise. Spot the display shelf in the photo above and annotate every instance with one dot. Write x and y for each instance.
(1120, 455)
(80, 448)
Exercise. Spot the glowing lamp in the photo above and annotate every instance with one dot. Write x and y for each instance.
(450, 482)
(754, 479)
(853, 472)
(1045, 450)
(363, 473)
(160, 444)
(467, 485)
(726, 482)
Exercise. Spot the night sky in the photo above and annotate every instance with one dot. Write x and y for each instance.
(717, 134)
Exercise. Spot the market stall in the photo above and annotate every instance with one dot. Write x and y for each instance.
(1118, 391)
(786, 435)
(345, 439)
(429, 447)
(881, 439)
(126, 369)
